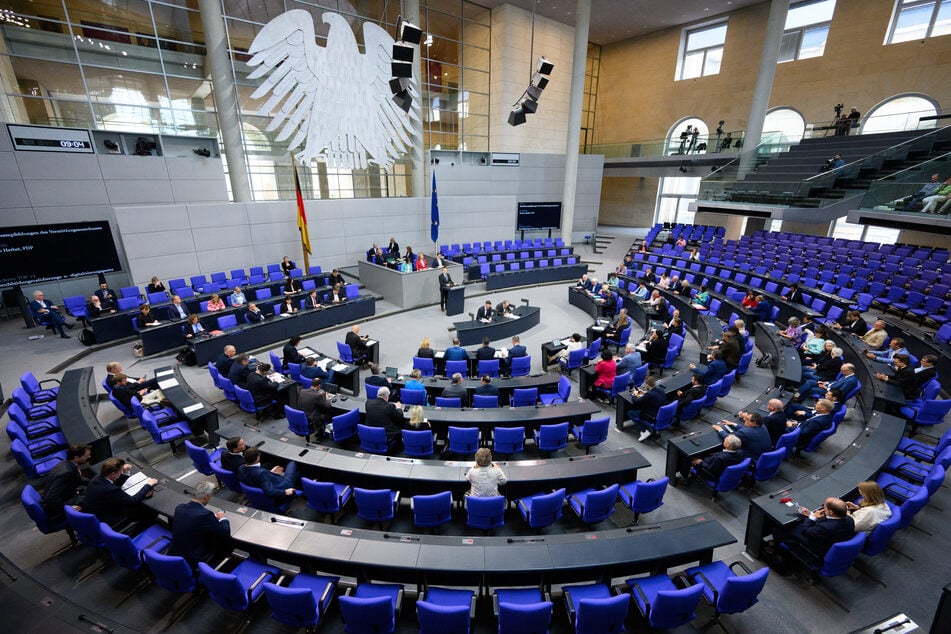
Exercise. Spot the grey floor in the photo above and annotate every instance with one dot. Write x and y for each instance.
(42, 592)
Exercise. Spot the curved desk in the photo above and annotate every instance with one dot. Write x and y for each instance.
(786, 364)
(540, 275)
(545, 383)
(588, 303)
(75, 414)
(185, 400)
(502, 328)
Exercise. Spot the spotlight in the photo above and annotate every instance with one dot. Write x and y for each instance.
(402, 52)
(202, 151)
(543, 66)
(534, 92)
(516, 116)
(403, 99)
(539, 80)
(530, 106)
(398, 84)
(402, 69)
(408, 32)
(111, 145)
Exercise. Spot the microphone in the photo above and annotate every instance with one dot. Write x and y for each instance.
(772, 495)
(524, 540)
(402, 538)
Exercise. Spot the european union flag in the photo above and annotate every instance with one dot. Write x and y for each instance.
(434, 228)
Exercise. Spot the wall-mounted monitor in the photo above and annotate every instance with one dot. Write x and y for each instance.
(539, 216)
(41, 253)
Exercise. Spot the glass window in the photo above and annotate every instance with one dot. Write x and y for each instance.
(899, 113)
(702, 51)
(918, 19)
(783, 125)
(849, 231)
(807, 27)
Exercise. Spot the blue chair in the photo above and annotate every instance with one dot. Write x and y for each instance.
(39, 447)
(643, 497)
(593, 351)
(127, 303)
(35, 390)
(486, 513)
(591, 432)
(490, 367)
(34, 467)
(662, 604)
(371, 390)
(463, 440)
(508, 440)
(525, 397)
(620, 384)
(258, 499)
(413, 397)
(239, 589)
(551, 438)
(303, 602)
(297, 422)
(326, 497)
(575, 360)
(247, 403)
(726, 592)
(460, 366)
(713, 392)
(540, 511)
(373, 439)
(418, 444)
(836, 561)
(227, 388)
(521, 366)
(200, 458)
(726, 384)
(215, 375)
(666, 417)
(593, 610)
(445, 611)
(923, 452)
(227, 478)
(172, 573)
(373, 607)
(788, 441)
(347, 356)
(877, 540)
(127, 551)
(622, 340)
(522, 610)
(31, 411)
(276, 362)
(730, 479)
(561, 396)
(227, 321)
(86, 527)
(593, 506)
(930, 413)
(768, 464)
(376, 505)
(424, 365)
(33, 504)
(430, 511)
(167, 433)
(639, 374)
(344, 426)
(482, 401)
(442, 401)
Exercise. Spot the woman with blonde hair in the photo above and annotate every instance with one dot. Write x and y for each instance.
(485, 477)
(215, 303)
(425, 349)
(871, 509)
(417, 419)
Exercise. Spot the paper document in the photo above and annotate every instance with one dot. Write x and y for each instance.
(324, 363)
(276, 377)
(167, 383)
(164, 373)
(565, 342)
(370, 342)
(135, 483)
(193, 408)
(340, 367)
(306, 352)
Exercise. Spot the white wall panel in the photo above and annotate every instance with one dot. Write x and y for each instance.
(139, 192)
(223, 237)
(46, 165)
(62, 193)
(132, 168)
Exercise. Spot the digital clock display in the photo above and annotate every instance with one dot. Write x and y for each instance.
(34, 138)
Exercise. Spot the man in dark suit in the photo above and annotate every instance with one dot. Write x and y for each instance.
(846, 383)
(696, 390)
(94, 308)
(456, 352)
(645, 406)
(713, 466)
(926, 370)
(47, 314)
(515, 352)
(291, 355)
(240, 369)
(263, 392)
(65, 480)
(820, 529)
(107, 297)
(358, 344)
(648, 277)
(445, 283)
(254, 314)
(456, 389)
(752, 434)
(226, 360)
(123, 391)
(178, 310)
(656, 351)
(485, 352)
(197, 533)
(486, 388)
(486, 313)
(812, 426)
(381, 380)
(106, 500)
(381, 413)
(793, 295)
(715, 369)
(504, 308)
(904, 376)
(279, 483)
(233, 458)
(314, 403)
(854, 324)
(584, 283)
(775, 422)
(763, 311)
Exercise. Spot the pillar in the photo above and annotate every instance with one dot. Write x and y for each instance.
(578, 64)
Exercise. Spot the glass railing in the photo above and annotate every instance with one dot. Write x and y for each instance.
(878, 123)
(728, 142)
(720, 184)
(727, 183)
(894, 192)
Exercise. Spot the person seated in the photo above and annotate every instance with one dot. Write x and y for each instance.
(425, 350)
(225, 360)
(409, 257)
(854, 324)
(605, 370)
(254, 314)
(94, 308)
(895, 346)
(65, 482)
(904, 377)
(504, 308)
(287, 265)
(631, 360)
(105, 498)
(657, 306)
(694, 255)
(584, 283)
(614, 330)
(146, 316)
(697, 389)
(762, 311)
(712, 467)
(664, 281)
(316, 406)
(749, 300)
(232, 458)
(929, 204)
(926, 370)
(378, 379)
(380, 412)
(826, 365)
(485, 477)
(814, 343)
(290, 353)
(107, 296)
(335, 278)
(177, 310)
(574, 343)
(714, 370)
(641, 292)
(393, 248)
(237, 297)
(775, 421)
(913, 201)
(486, 312)
(357, 343)
(792, 294)
(288, 307)
(155, 286)
(871, 509)
(595, 287)
(701, 301)
(754, 437)
(875, 337)
(292, 286)
(485, 351)
(310, 369)
(417, 419)
(648, 277)
(193, 328)
(123, 391)
(240, 369)
(517, 350)
(833, 163)
(199, 534)
(264, 392)
(812, 426)
(336, 295)
(455, 352)
(648, 399)
(797, 412)
(215, 304)
(613, 280)
(279, 482)
(655, 348)
(47, 314)
(793, 333)
(820, 529)
(414, 382)
(846, 383)
(486, 388)
(421, 263)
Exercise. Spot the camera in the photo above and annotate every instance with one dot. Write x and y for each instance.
(144, 147)
(720, 127)
(838, 109)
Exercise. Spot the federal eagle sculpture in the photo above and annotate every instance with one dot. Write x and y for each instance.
(332, 102)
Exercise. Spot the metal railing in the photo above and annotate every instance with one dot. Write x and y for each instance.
(704, 144)
(889, 193)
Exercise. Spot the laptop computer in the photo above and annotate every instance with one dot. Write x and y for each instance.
(391, 372)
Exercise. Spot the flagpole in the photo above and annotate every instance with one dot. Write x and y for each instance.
(301, 220)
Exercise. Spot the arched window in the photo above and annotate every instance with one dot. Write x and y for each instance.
(783, 125)
(677, 143)
(900, 113)
(674, 193)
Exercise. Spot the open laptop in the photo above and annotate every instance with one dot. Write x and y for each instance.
(391, 372)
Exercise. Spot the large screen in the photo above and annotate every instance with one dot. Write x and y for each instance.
(41, 253)
(534, 216)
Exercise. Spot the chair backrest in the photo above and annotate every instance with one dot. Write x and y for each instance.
(344, 426)
(692, 409)
(508, 440)
(121, 547)
(297, 422)
(199, 457)
(489, 366)
(258, 498)
(931, 389)
(595, 431)
(346, 354)
(373, 614)
(485, 513)
(726, 383)
(424, 365)
(594, 349)
(127, 303)
(442, 619)
(463, 440)
(878, 538)
(744, 364)
(740, 593)
(294, 606)
(374, 505)
(639, 374)
(673, 608)
(525, 397)
(912, 505)
(413, 397)
(621, 381)
(552, 437)
(86, 527)
(432, 510)
(227, 387)
(599, 616)
(564, 388)
(172, 573)
(372, 439)
(521, 366)
(840, 557)
(666, 416)
(768, 464)
(732, 476)
(228, 478)
(598, 505)
(484, 401)
(224, 588)
(321, 496)
(524, 618)
(576, 358)
(648, 496)
(713, 392)
(546, 509)
(933, 412)
(245, 400)
(458, 365)
(33, 504)
(446, 401)
(227, 321)
(418, 444)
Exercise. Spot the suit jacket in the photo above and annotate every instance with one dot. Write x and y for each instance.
(315, 405)
(501, 310)
(486, 390)
(756, 440)
(380, 413)
(819, 535)
(124, 394)
(232, 462)
(93, 311)
(37, 306)
(108, 502)
(846, 384)
(763, 311)
(695, 392)
(238, 374)
(648, 404)
(291, 355)
(714, 372)
(356, 343)
(223, 364)
(485, 313)
(586, 285)
(173, 313)
(268, 481)
(445, 281)
(595, 288)
(858, 327)
(922, 376)
(649, 278)
(255, 316)
(484, 353)
(456, 353)
(795, 296)
(261, 390)
(715, 464)
(657, 351)
(731, 352)
(425, 353)
(65, 480)
(456, 391)
(827, 369)
(907, 380)
(517, 351)
(775, 424)
(813, 426)
(107, 298)
(197, 534)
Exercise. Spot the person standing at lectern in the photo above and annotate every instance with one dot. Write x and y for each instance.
(445, 283)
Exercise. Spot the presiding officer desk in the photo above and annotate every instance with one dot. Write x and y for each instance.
(861, 460)
(500, 328)
(75, 411)
(486, 562)
(414, 476)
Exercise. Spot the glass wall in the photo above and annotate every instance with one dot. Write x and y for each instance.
(139, 65)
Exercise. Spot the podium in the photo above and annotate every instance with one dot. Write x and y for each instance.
(455, 303)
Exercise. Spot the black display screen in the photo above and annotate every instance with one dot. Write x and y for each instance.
(41, 253)
(536, 216)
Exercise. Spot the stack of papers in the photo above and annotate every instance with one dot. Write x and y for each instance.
(135, 483)
(167, 383)
(340, 367)
(323, 363)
